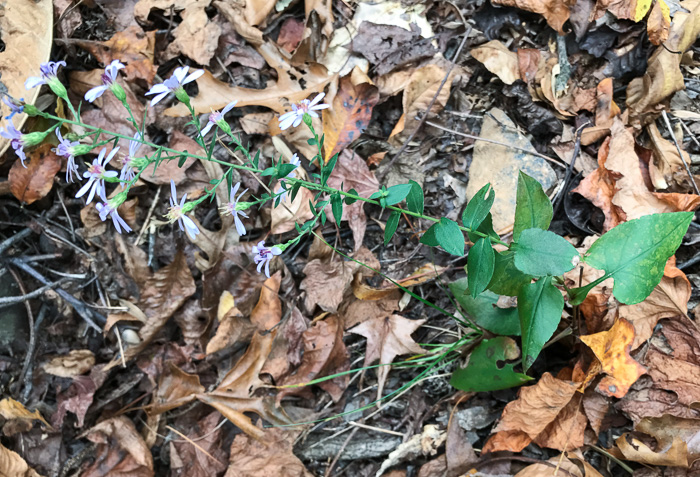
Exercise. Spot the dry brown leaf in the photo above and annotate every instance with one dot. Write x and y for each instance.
(28, 37)
(76, 362)
(233, 326)
(499, 60)
(355, 311)
(348, 116)
(290, 212)
(388, 338)
(287, 348)
(326, 283)
(268, 312)
(664, 76)
(196, 37)
(215, 94)
(12, 465)
(11, 409)
(554, 11)
(166, 291)
(677, 442)
(256, 123)
(33, 182)
(133, 47)
(668, 300)
(204, 459)
(324, 354)
(566, 432)
(564, 463)
(271, 455)
(120, 450)
(351, 172)
(658, 23)
(595, 406)
(169, 170)
(423, 274)
(175, 388)
(612, 349)
(78, 397)
(525, 418)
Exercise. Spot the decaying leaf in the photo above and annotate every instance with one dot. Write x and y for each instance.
(28, 38)
(499, 60)
(120, 450)
(11, 409)
(387, 338)
(326, 283)
(268, 312)
(233, 326)
(612, 349)
(33, 182)
(76, 362)
(290, 212)
(348, 116)
(204, 459)
(324, 354)
(555, 12)
(525, 418)
(12, 464)
(659, 22)
(270, 455)
(423, 274)
(667, 169)
(559, 464)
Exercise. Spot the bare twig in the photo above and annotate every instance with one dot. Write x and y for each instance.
(25, 297)
(680, 152)
(329, 470)
(148, 216)
(27, 370)
(424, 117)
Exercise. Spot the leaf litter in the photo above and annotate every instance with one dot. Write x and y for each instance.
(208, 348)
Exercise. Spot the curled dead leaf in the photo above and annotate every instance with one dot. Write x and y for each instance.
(499, 60)
(12, 464)
(120, 450)
(33, 182)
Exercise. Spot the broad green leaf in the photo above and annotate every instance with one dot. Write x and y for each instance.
(540, 305)
(397, 193)
(391, 225)
(486, 228)
(483, 310)
(634, 254)
(350, 200)
(541, 252)
(507, 279)
(446, 234)
(414, 199)
(532, 207)
(337, 207)
(488, 369)
(480, 264)
(327, 169)
(478, 207)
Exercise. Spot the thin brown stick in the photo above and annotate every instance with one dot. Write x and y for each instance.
(424, 117)
(680, 153)
(329, 470)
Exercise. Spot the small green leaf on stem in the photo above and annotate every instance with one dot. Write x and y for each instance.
(532, 208)
(397, 193)
(391, 225)
(337, 207)
(480, 265)
(414, 199)
(540, 305)
(446, 234)
(478, 207)
(541, 252)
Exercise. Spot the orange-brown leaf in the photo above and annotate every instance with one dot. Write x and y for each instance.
(348, 116)
(120, 450)
(35, 181)
(612, 348)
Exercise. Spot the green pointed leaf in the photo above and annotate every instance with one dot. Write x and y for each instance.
(414, 199)
(488, 369)
(635, 252)
(446, 234)
(397, 193)
(484, 312)
(327, 169)
(478, 207)
(486, 228)
(507, 279)
(350, 200)
(540, 305)
(391, 225)
(532, 208)
(541, 252)
(480, 264)
(337, 207)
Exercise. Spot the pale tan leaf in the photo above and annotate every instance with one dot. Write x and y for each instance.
(12, 465)
(499, 60)
(76, 362)
(120, 450)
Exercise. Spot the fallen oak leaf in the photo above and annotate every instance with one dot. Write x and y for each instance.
(12, 464)
(388, 338)
(204, 459)
(120, 450)
(612, 349)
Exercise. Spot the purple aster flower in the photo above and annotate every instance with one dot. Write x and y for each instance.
(263, 255)
(230, 208)
(296, 115)
(217, 117)
(173, 84)
(178, 211)
(14, 105)
(109, 208)
(96, 174)
(109, 77)
(16, 140)
(128, 172)
(48, 74)
(66, 148)
(296, 162)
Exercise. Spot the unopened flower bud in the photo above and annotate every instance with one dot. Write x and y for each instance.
(118, 92)
(182, 96)
(188, 207)
(82, 149)
(34, 138)
(31, 110)
(307, 119)
(58, 88)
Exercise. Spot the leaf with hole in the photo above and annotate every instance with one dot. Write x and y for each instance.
(484, 311)
(488, 369)
(532, 207)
